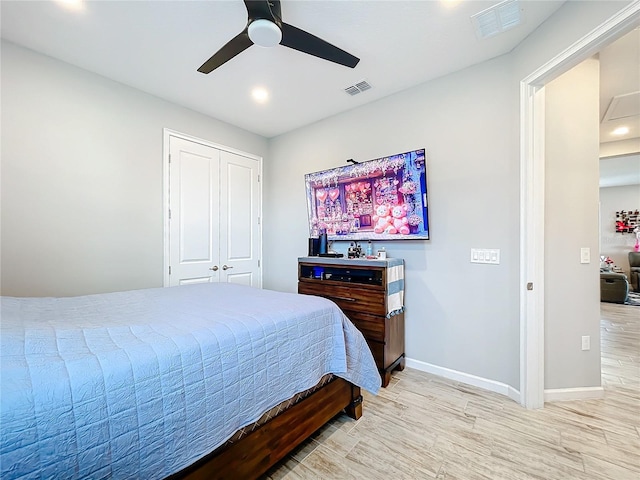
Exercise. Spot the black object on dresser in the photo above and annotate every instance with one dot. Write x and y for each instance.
(361, 289)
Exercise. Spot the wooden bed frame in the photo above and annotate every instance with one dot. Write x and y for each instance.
(254, 454)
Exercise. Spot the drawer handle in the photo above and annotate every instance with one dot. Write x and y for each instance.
(346, 299)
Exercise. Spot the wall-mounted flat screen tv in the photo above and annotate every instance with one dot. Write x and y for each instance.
(381, 199)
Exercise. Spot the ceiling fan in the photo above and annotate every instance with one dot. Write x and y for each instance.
(266, 28)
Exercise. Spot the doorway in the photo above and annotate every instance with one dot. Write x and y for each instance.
(532, 124)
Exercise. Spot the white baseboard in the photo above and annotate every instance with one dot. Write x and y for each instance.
(568, 394)
(467, 378)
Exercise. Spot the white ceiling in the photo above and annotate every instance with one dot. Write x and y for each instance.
(620, 87)
(619, 79)
(157, 46)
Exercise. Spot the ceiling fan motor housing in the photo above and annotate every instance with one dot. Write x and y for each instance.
(264, 33)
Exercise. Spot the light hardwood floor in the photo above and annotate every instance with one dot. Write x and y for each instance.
(426, 427)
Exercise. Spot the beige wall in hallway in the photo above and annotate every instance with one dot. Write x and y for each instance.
(572, 295)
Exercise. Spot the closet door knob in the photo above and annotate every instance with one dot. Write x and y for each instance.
(225, 267)
(214, 268)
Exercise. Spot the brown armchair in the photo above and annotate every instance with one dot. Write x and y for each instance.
(634, 270)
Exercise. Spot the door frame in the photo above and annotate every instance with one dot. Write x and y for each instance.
(532, 192)
(167, 133)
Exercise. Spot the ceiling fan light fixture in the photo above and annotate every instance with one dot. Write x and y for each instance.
(264, 33)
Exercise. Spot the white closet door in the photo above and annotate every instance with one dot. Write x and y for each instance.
(239, 219)
(194, 212)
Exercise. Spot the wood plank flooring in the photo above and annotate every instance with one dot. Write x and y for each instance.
(426, 427)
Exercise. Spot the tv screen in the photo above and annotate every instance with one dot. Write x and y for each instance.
(383, 199)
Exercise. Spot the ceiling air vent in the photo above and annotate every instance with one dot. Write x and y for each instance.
(497, 19)
(359, 87)
(623, 106)
(363, 85)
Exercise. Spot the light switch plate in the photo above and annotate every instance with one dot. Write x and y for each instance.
(585, 255)
(485, 255)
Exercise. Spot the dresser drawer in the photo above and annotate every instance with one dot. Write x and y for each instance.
(347, 297)
(373, 327)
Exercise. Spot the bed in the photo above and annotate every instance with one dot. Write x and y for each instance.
(153, 383)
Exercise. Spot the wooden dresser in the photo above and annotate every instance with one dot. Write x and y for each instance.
(360, 288)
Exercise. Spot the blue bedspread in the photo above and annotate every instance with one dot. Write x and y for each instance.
(140, 384)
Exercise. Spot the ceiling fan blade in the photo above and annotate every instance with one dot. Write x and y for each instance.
(302, 41)
(262, 9)
(236, 45)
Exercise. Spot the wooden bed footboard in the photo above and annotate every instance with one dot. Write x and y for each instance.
(254, 454)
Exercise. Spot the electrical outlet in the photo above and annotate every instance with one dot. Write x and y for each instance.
(586, 342)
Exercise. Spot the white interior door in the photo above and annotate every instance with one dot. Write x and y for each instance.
(239, 219)
(194, 218)
(213, 231)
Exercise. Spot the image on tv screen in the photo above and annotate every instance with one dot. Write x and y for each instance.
(384, 199)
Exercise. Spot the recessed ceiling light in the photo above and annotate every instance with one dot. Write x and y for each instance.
(450, 3)
(621, 131)
(260, 94)
(72, 4)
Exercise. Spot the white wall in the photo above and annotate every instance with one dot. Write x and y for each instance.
(572, 289)
(459, 315)
(571, 22)
(82, 177)
(612, 244)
